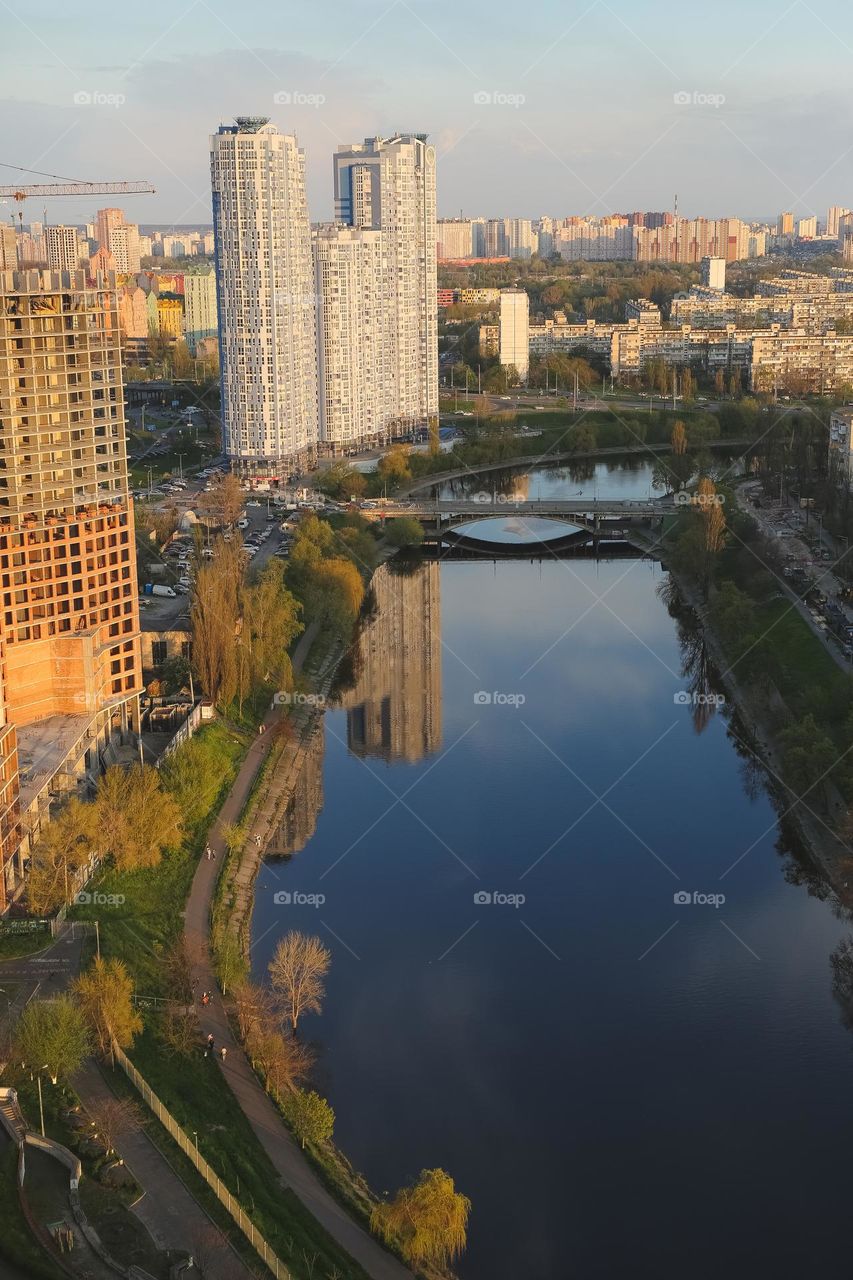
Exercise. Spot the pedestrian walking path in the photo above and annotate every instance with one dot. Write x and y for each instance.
(174, 1219)
(270, 1129)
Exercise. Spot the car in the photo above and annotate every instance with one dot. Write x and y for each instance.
(243, 523)
(253, 502)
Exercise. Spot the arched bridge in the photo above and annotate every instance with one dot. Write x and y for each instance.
(603, 517)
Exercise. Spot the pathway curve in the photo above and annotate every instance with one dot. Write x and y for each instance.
(271, 1131)
(173, 1217)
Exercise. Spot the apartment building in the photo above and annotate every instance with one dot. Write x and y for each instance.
(515, 330)
(62, 248)
(69, 627)
(119, 238)
(354, 376)
(713, 273)
(455, 239)
(266, 302)
(388, 185)
(200, 314)
(841, 446)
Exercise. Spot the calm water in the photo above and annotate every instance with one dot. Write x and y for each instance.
(623, 1085)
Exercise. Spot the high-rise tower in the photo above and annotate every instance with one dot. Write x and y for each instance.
(265, 289)
(388, 185)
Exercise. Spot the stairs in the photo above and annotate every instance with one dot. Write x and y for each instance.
(10, 1116)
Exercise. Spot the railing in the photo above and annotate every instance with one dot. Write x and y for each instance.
(242, 1219)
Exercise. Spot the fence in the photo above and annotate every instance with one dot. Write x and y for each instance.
(183, 734)
(242, 1219)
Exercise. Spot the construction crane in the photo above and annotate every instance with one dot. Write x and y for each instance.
(67, 187)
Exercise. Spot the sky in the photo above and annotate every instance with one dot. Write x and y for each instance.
(558, 107)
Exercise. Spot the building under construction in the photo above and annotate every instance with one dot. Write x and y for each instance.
(70, 670)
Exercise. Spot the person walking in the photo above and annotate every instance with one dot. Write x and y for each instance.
(222, 1053)
(210, 1042)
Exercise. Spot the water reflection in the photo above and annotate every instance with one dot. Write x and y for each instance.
(299, 820)
(394, 705)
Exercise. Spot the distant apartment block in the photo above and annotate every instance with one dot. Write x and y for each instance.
(455, 238)
(515, 330)
(200, 314)
(713, 273)
(62, 248)
(841, 447)
(69, 627)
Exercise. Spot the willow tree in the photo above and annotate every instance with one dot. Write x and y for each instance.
(428, 1221)
(65, 845)
(104, 992)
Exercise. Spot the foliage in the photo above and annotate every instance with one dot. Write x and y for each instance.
(223, 502)
(52, 1035)
(65, 845)
(104, 992)
(429, 1220)
(405, 532)
(309, 1115)
(214, 611)
(137, 819)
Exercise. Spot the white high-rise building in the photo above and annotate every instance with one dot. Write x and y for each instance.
(266, 300)
(518, 233)
(833, 218)
(388, 185)
(61, 248)
(713, 273)
(354, 380)
(515, 330)
(200, 318)
(454, 238)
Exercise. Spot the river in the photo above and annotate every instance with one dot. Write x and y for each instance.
(502, 815)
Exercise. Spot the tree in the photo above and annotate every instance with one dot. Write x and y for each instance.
(309, 1115)
(113, 1118)
(428, 1221)
(297, 970)
(65, 845)
(282, 1059)
(393, 467)
(336, 591)
(230, 961)
(270, 624)
(193, 777)
(52, 1034)
(405, 532)
(104, 992)
(214, 610)
(224, 501)
(678, 438)
(137, 818)
(809, 757)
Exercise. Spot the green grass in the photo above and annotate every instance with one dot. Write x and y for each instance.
(195, 1091)
(13, 945)
(142, 929)
(20, 1249)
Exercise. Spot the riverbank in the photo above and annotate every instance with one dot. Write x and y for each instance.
(828, 854)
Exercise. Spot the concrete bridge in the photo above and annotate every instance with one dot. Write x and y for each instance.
(603, 517)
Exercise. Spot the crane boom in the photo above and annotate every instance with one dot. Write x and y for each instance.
(20, 193)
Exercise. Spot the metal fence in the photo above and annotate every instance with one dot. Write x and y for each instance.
(242, 1219)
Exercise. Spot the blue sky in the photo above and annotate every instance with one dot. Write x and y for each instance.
(581, 113)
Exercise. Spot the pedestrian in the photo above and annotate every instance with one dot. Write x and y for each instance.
(222, 1053)
(210, 1041)
(205, 999)
(208, 851)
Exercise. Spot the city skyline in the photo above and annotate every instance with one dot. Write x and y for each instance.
(523, 120)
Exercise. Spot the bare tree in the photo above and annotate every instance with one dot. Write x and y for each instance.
(113, 1118)
(283, 1060)
(297, 970)
(224, 501)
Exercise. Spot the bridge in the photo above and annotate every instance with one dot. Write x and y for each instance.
(602, 517)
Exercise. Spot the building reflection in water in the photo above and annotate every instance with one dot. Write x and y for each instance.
(299, 820)
(394, 706)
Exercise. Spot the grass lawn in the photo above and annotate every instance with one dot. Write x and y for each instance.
(13, 945)
(18, 1248)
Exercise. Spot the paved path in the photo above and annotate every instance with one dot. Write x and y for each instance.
(175, 1220)
(294, 1169)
